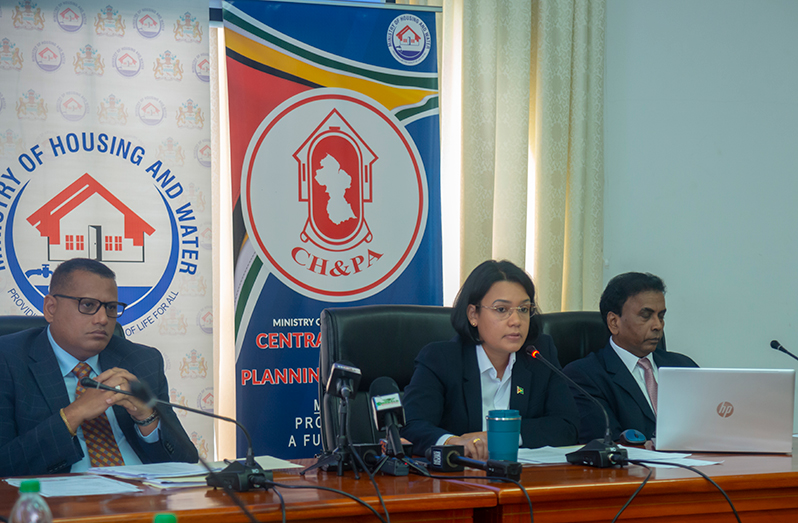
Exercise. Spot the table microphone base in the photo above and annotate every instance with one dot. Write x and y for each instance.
(599, 454)
(240, 477)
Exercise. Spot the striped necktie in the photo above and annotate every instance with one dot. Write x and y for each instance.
(100, 441)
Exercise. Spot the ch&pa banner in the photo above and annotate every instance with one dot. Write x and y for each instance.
(335, 152)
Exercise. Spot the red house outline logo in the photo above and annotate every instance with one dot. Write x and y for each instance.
(47, 220)
(48, 54)
(150, 109)
(320, 228)
(148, 22)
(127, 60)
(72, 105)
(408, 39)
(69, 15)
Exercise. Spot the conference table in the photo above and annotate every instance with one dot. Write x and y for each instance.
(762, 488)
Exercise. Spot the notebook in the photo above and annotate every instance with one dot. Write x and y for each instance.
(725, 410)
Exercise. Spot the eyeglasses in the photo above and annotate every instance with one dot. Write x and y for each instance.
(503, 312)
(90, 306)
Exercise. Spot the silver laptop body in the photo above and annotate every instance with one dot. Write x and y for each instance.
(725, 410)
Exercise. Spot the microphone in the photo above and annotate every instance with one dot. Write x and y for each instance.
(388, 413)
(138, 390)
(597, 453)
(776, 345)
(450, 458)
(237, 476)
(344, 379)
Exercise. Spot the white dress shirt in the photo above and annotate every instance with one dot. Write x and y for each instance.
(495, 391)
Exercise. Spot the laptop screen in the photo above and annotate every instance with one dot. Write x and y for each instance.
(725, 410)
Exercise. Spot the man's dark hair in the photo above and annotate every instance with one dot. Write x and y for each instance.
(477, 286)
(623, 287)
(63, 273)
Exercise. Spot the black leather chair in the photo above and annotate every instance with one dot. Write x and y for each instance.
(384, 340)
(380, 340)
(575, 334)
(12, 324)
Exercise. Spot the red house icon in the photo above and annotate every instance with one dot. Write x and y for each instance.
(47, 54)
(150, 109)
(86, 219)
(127, 60)
(148, 21)
(69, 15)
(407, 36)
(72, 105)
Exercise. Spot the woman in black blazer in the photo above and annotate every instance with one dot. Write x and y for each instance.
(487, 366)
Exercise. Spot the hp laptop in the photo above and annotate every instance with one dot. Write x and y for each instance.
(725, 410)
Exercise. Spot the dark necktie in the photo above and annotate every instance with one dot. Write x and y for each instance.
(100, 441)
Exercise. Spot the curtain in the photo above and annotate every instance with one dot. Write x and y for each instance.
(532, 80)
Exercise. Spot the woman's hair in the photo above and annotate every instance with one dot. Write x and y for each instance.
(477, 286)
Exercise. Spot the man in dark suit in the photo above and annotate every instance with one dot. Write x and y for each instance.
(623, 375)
(47, 421)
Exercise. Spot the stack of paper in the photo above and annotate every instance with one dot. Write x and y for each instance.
(557, 455)
(78, 486)
(180, 475)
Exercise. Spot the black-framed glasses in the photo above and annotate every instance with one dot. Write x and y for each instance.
(90, 306)
(503, 312)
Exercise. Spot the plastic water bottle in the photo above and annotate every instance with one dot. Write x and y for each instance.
(30, 507)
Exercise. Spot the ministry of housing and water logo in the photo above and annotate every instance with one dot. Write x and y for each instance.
(69, 16)
(409, 39)
(96, 196)
(350, 220)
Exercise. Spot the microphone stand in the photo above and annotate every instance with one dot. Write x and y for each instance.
(237, 476)
(343, 454)
(597, 453)
(397, 463)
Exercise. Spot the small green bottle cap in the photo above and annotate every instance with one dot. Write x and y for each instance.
(165, 518)
(30, 485)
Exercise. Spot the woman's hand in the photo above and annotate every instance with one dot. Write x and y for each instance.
(475, 443)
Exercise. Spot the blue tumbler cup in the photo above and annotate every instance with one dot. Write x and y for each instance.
(504, 428)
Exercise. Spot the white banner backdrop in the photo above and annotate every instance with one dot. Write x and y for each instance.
(105, 153)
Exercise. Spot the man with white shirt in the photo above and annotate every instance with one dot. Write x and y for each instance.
(50, 423)
(623, 375)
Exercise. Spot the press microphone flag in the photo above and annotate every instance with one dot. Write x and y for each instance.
(451, 458)
(388, 412)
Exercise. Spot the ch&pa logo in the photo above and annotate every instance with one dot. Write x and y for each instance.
(105, 212)
(351, 219)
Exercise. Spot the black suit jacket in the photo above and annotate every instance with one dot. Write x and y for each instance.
(445, 396)
(607, 379)
(34, 438)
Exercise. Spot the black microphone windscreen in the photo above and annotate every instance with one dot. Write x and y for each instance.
(88, 383)
(141, 391)
(383, 386)
(775, 344)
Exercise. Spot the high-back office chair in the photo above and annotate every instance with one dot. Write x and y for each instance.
(12, 324)
(384, 340)
(380, 340)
